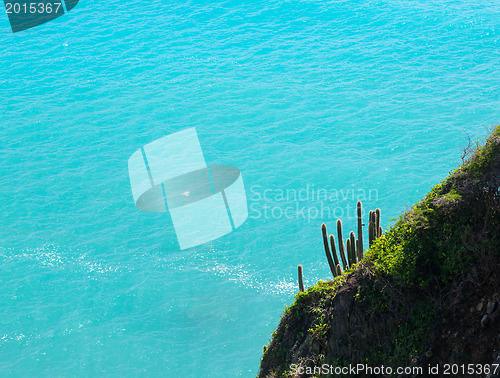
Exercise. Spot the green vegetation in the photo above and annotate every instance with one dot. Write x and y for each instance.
(406, 269)
(308, 308)
(455, 224)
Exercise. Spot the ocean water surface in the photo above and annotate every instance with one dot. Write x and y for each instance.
(318, 103)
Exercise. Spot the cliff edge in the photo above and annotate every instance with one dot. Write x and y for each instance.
(425, 295)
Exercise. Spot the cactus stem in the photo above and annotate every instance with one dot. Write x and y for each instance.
(370, 229)
(377, 226)
(334, 251)
(348, 247)
(359, 207)
(327, 250)
(301, 280)
(341, 244)
(352, 237)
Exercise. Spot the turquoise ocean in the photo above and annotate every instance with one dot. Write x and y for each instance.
(318, 103)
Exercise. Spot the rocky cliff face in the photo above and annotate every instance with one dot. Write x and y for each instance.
(465, 330)
(427, 294)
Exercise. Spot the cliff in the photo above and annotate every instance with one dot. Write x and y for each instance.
(425, 295)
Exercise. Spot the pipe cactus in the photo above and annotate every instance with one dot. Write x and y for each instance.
(359, 244)
(371, 228)
(334, 250)
(327, 250)
(377, 220)
(352, 239)
(301, 280)
(344, 257)
(341, 244)
(358, 259)
(352, 251)
(348, 249)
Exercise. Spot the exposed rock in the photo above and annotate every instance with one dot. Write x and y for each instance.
(484, 321)
(479, 306)
(491, 307)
